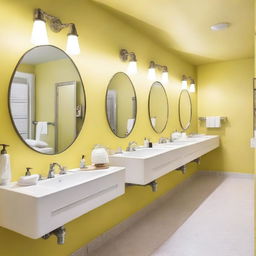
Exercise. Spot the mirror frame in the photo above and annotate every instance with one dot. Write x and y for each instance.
(190, 117)
(167, 119)
(106, 113)
(9, 95)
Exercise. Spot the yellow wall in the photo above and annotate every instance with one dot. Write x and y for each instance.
(26, 68)
(101, 37)
(225, 89)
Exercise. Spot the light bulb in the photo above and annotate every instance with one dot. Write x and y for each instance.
(132, 68)
(165, 77)
(192, 87)
(72, 45)
(184, 83)
(151, 74)
(39, 33)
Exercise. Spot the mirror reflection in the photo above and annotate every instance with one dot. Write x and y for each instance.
(158, 107)
(47, 100)
(185, 109)
(121, 105)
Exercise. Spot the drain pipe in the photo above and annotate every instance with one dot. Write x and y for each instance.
(197, 160)
(59, 233)
(182, 168)
(153, 184)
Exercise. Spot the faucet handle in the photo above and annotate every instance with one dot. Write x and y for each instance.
(28, 173)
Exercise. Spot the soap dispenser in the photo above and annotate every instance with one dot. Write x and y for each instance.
(5, 166)
(82, 162)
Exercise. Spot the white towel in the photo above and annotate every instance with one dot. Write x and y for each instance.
(217, 121)
(153, 121)
(213, 122)
(41, 128)
(5, 169)
(130, 123)
(28, 180)
(210, 122)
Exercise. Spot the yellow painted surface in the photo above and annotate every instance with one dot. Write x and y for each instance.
(225, 89)
(101, 37)
(66, 116)
(26, 68)
(184, 26)
(47, 75)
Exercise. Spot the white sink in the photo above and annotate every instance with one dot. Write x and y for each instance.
(36, 210)
(145, 165)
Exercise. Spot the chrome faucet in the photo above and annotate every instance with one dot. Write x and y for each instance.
(51, 173)
(131, 146)
(163, 140)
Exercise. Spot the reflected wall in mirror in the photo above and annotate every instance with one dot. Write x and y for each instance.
(158, 107)
(185, 109)
(121, 105)
(47, 100)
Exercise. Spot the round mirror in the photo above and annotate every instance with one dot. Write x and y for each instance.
(158, 107)
(121, 105)
(185, 109)
(47, 100)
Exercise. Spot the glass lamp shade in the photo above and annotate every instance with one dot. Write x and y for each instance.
(192, 88)
(39, 33)
(165, 77)
(151, 74)
(132, 68)
(184, 84)
(72, 45)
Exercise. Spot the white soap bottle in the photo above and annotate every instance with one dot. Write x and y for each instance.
(146, 142)
(82, 162)
(5, 166)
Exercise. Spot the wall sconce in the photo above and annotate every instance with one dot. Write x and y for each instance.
(184, 83)
(192, 87)
(132, 67)
(152, 72)
(39, 33)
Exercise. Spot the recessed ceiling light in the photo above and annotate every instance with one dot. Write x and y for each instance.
(220, 26)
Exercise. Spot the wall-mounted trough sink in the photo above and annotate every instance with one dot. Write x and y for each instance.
(36, 210)
(145, 165)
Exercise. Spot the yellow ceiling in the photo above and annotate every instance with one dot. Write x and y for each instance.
(184, 26)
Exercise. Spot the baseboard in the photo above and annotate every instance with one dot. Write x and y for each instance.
(227, 174)
(87, 249)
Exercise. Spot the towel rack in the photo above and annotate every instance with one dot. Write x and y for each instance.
(48, 123)
(222, 118)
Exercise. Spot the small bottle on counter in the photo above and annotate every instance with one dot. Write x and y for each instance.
(146, 142)
(82, 162)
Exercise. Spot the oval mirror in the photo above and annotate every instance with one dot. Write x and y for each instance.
(47, 100)
(121, 105)
(158, 107)
(185, 109)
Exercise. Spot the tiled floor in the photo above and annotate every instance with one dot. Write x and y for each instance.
(212, 216)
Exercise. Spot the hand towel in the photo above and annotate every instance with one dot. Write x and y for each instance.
(41, 128)
(217, 121)
(5, 169)
(130, 123)
(210, 122)
(28, 180)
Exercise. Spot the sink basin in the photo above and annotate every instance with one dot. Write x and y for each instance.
(36, 210)
(143, 153)
(145, 165)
